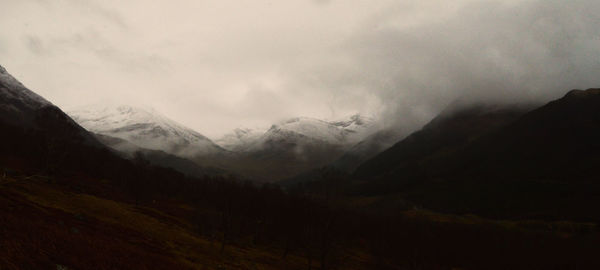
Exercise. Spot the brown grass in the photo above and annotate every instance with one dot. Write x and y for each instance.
(46, 225)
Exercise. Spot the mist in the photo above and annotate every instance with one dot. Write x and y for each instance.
(216, 66)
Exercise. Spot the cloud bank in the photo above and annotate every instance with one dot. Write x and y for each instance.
(218, 65)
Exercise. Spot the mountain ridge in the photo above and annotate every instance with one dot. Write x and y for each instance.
(144, 127)
(21, 107)
(539, 163)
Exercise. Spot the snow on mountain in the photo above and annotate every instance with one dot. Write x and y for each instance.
(340, 133)
(311, 128)
(240, 138)
(357, 128)
(17, 103)
(17, 91)
(21, 107)
(144, 127)
(368, 148)
(343, 132)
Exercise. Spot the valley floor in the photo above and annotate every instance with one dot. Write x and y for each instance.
(46, 225)
(81, 223)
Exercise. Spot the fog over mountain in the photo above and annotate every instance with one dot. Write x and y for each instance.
(216, 66)
(300, 134)
(143, 127)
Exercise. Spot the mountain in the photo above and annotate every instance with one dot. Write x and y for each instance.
(293, 146)
(556, 142)
(239, 139)
(344, 132)
(17, 103)
(368, 148)
(384, 153)
(539, 163)
(23, 110)
(35, 130)
(287, 148)
(22, 107)
(453, 128)
(38, 136)
(157, 158)
(145, 128)
(349, 160)
(68, 202)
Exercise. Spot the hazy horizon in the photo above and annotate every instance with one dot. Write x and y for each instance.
(216, 66)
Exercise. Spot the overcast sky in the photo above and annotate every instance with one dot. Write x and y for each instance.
(215, 65)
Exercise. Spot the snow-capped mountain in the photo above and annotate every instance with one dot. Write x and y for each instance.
(356, 128)
(344, 132)
(240, 138)
(156, 157)
(21, 107)
(293, 146)
(17, 103)
(368, 148)
(144, 127)
(33, 129)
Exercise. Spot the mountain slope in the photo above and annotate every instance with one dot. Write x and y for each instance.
(157, 157)
(35, 130)
(452, 129)
(294, 146)
(40, 138)
(367, 149)
(542, 164)
(18, 105)
(558, 141)
(384, 155)
(345, 132)
(239, 139)
(144, 127)
(23, 108)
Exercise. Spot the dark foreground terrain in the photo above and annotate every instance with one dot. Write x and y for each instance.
(481, 189)
(78, 222)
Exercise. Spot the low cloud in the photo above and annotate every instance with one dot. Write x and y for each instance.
(217, 66)
(510, 52)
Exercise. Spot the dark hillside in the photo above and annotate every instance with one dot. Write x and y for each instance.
(68, 202)
(452, 129)
(558, 142)
(540, 165)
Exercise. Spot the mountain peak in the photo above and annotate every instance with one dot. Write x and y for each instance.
(345, 131)
(144, 127)
(355, 119)
(576, 93)
(350, 130)
(18, 93)
(23, 108)
(240, 138)
(17, 103)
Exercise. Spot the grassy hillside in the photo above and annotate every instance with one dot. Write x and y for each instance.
(49, 224)
(79, 222)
